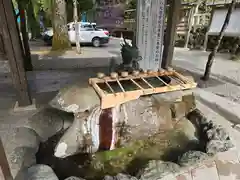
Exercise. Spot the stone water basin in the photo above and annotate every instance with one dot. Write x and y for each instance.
(178, 137)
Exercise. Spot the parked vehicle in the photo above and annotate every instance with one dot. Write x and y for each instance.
(88, 34)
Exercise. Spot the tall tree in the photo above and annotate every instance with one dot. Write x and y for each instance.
(33, 24)
(60, 37)
(218, 42)
(77, 35)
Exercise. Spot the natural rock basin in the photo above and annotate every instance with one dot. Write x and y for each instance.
(183, 137)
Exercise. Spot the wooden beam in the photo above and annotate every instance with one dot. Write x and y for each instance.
(5, 172)
(169, 41)
(14, 51)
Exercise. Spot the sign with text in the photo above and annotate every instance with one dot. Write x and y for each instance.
(150, 31)
(110, 14)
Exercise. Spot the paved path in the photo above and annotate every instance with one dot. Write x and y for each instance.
(196, 60)
(226, 73)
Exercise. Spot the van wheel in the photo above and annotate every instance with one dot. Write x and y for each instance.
(96, 42)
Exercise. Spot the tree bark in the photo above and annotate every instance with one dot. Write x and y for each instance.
(218, 42)
(60, 38)
(77, 30)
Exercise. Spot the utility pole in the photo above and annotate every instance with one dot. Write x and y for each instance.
(77, 28)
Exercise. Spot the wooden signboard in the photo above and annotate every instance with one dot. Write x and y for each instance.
(150, 31)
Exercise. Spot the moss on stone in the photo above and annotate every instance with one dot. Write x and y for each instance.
(140, 151)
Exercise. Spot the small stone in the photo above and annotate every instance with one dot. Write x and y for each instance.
(215, 146)
(23, 137)
(170, 69)
(191, 158)
(135, 73)
(149, 71)
(187, 128)
(74, 178)
(190, 102)
(157, 169)
(100, 75)
(114, 75)
(40, 172)
(108, 178)
(217, 133)
(121, 176)
(178, 110)
(124, 74)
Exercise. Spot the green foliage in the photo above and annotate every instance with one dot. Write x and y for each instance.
(132, 4)
(83, 6)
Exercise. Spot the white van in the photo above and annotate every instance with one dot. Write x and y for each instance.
(88, 34)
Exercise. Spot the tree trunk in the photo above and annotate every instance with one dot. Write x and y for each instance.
(27, 53)
(60, 38)
(218, 42)
(33, 24)
(77, 28)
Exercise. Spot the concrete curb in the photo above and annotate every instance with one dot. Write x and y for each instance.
(71, 63)
(226, 108)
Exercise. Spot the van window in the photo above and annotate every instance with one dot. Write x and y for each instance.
(86, 26)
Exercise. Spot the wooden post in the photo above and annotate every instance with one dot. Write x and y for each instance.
(14, 51)
(4, 166)
(173, 17)
(190, 22)
(27, 53)
(2, 50)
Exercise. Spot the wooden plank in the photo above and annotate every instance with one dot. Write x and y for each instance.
(14, 51)
(169, 41)
(110, 100)
(5, 172)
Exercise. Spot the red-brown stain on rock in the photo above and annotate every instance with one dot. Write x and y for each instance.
(105, 129)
